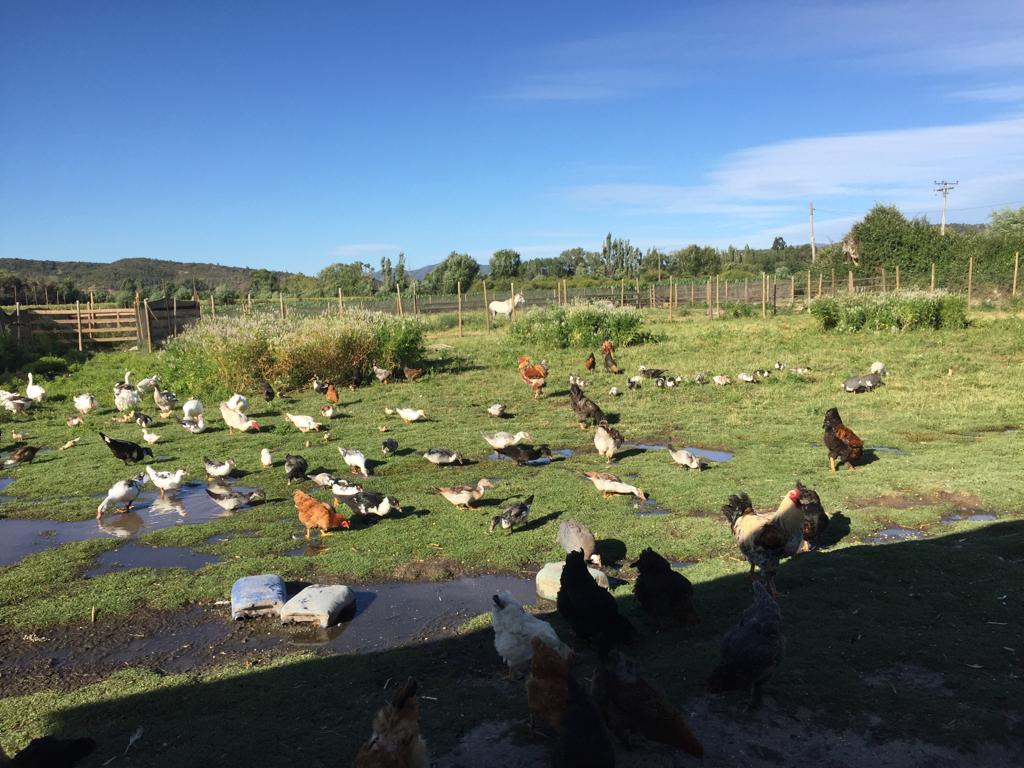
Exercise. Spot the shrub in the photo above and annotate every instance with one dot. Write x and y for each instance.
(216, 357)
(48, 365)
(580, 325)
(904, 311)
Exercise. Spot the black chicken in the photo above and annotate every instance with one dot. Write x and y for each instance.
(268, 391)
(815, 519)
(295, 468)
(51, 752)
(126, 450)
(524, 454)
(590, 610)
(661, 591)
(587, 411)
(752, 649)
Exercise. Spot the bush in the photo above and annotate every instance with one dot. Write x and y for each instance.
(216, 357)
(48, 366)
(581, 325)
(904, 311)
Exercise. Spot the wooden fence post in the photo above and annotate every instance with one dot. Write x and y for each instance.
(458, 289)
(149, 330)
(718, 296)
(638, 292)
(670, 297)
(174, 314)
(487, 309)
(280, 302)
(710, 307)
(398, 299)
(933, 277)
(746, 290)
(249, 301)
(764, 298)
(970, 280)
(883, 279)
(512, 288)
(78, 317)
(897, 277)
(792, 290)
(1016, 271)
(820, 279)
(17, 319)
(213, 307)
(693, 292)
(833, 281)
(807, 298)
(849, 281)
(339, 302)
(415, 301)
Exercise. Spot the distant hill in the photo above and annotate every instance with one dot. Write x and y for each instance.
(87, 275)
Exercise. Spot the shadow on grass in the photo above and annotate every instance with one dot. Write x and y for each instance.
(908, 639)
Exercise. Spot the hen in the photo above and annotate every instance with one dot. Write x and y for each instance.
(661, 591)
(634, 705)
(590, 610)
(584, 741)
(589, 362)
(752, 649)
(396, 741)
(514, 633)
(587, 411)
(316, 514)
(840, 440)
(547, 686)
(764, 539)
(533, 374)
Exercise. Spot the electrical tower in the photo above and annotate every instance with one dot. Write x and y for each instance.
(944, 187)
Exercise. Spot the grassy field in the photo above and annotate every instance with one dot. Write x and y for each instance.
(936, 620)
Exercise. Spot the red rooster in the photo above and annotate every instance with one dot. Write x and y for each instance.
(534, 374)
(840, 440)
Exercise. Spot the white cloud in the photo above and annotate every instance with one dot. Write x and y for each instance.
(997, 93)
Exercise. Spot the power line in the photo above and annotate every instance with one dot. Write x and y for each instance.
(944, 187)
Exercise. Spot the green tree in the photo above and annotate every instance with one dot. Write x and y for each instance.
(387, 275)
(1008, 222)
(779, 244)
(262, 282)
(355, 279)
(401, 279)
(505, 263)
(458, 267)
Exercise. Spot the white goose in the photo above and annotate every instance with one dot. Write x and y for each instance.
(85, 403)
(238, 403)
(34, 391)
(504, 439)
(127, 400)
(235, 420)
(192, 409)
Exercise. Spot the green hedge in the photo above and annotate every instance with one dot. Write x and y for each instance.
(580, 325)
(902, 311)
(216, 357)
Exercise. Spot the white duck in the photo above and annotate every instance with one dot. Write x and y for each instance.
(33, 391)
(684, 458)
(195, 426)
(126, 384)
(505, 439)
(122, 494)
(218, 468)
(265, 458)
(354, 459)
(166, 481)
(152, 438)
(408, 415)
(303, 423)
(238, 403)
(148, 384)
(721, 380)
(192, 409)
(608, 484)
(127, 400)
(235, 420)
(496, 410)
(85, 403)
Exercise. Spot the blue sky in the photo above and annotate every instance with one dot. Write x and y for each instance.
(294, 135)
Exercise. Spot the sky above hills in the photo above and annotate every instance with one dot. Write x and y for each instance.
(291, 136)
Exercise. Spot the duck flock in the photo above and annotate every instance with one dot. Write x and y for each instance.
(557, 690)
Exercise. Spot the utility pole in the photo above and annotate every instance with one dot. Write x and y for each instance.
(814, 252)
(944, 187)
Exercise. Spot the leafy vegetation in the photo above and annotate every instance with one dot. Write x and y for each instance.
(581, 325)
(903, 311)
(217, 357)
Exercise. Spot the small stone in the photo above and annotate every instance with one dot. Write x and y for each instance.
(549, 580)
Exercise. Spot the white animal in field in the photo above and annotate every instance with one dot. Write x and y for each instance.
(505, 307)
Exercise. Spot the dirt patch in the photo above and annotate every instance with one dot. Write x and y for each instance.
(963, 502)
(428, 570)
(904, 676)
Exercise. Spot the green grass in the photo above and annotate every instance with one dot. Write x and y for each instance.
(850, 611)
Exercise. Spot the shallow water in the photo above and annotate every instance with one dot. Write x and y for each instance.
(649, 508)
(19, 537)
(895, 533)
(679, 564)
(705, 453)
(5, 481)
(981, 517)
(565, 453)
(139, 556)
(393, 615)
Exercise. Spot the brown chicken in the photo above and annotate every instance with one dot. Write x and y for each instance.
(547, 686)
(331, 394)
(589, 362)
(840, 440)
(634, 705)
(533, 374)
(607, 348)
(764, 539)
(316, 514)
(411, 374)
(396, 741)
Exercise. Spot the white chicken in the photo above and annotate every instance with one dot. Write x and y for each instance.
(166, 481)
(238, 403)
(303, 423)
(266, 459)
(122, 494)
(85, 403)
(235, 420)
(354, 459)
(192, 409)
(33, 391)
(514, 630)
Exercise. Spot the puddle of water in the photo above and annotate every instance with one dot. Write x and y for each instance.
(393, 615)
(224, 538)
(565, 453)
(19, 538)
(895, 533)
(886, 449)
(982, 517)
(5, 481)
(138, 556)
(307, 550)
(682, 563)
(704, 453)
(649, 508)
